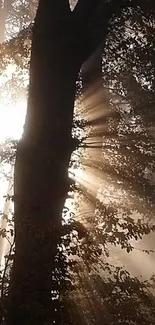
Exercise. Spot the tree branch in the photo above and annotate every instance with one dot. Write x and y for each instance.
(52, 10)
(84, 8)
(94, 29)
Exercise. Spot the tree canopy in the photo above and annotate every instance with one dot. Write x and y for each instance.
(61, 269)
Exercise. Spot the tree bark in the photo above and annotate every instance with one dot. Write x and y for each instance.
(41, 178)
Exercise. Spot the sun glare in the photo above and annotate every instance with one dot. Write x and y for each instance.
(12, 120)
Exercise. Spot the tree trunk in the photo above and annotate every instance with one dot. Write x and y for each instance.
(41, 171)
(41, 183)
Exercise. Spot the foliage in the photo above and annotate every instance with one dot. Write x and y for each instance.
(126, 150)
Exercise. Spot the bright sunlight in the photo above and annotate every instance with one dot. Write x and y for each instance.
(12, 120)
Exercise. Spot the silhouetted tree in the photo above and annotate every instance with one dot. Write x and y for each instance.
(62, 40)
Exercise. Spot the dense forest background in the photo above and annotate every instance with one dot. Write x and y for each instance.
(77, 225)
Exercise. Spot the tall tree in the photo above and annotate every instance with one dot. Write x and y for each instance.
(62, 41)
